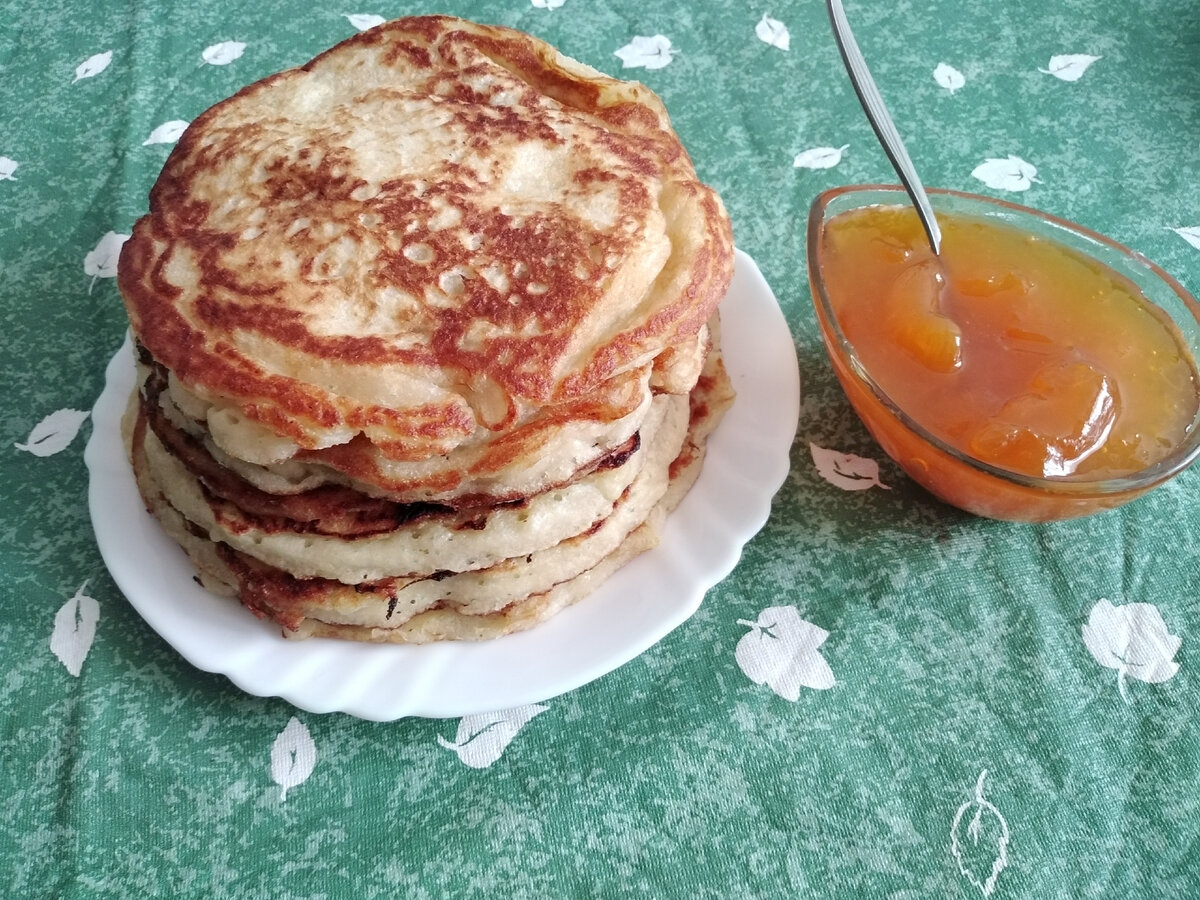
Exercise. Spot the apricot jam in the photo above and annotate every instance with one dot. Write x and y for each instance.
(1011, 348)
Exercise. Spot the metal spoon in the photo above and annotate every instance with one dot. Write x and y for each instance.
(885, 129)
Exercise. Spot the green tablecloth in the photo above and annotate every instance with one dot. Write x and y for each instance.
(996, 710)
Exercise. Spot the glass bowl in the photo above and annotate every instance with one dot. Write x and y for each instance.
(951, 473)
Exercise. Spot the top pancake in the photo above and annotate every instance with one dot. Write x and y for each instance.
(435, 237)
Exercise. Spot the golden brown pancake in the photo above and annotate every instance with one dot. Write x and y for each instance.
(437, 257)
(426, 334)
(430, 540)
(511, 595)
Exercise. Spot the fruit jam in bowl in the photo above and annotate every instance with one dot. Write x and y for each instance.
(1033, 371)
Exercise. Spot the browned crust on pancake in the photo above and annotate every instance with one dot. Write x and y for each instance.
(438, 272)
(297, 604)
(558, 253)
(328, 509)
(615, 400)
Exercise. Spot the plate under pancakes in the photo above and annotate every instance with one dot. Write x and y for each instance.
(747, 460)
(426, 332)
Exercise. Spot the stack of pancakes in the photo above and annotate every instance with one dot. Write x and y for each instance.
(426, 334)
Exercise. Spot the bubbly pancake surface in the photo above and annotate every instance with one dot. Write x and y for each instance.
(437, 239)
(426, 334)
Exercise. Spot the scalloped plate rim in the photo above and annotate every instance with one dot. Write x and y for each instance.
(579, 645)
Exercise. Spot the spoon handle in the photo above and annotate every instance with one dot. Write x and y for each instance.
(881, 121)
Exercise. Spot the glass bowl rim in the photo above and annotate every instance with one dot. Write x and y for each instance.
(1141, 480)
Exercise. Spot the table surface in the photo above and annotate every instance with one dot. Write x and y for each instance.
(966, 719)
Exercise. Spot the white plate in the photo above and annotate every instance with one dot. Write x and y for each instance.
(748, 459)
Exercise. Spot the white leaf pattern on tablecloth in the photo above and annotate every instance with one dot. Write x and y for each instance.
(781, 650)
(819, 157)
(948, 77)
(74, 630)
(101, 261)
(547, 4)
(1134, 640)
(1191, 233)
(652, 52)
(1069, 66)
(7, 168)
(482, 738)
(1010, 174)
(293, 756)
(166, 133)
(980, 847)
(93, 65)
(224, 53)
(773, 32)
(363, 21)
(846, 470)
(54, 433)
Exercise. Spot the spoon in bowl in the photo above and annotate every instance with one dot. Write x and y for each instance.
(881, 122)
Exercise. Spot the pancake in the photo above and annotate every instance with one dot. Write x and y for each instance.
(441, 258)
(426, 334)
(433, 539)
(592, 442)
(512, 595)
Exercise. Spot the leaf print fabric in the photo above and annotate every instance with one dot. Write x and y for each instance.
(979, 841)
(1190, 234)
(1069, 66)
(363, 21)
(642, 52)
(74, 630)
(819, 157)
(773, 32)
(948, 77)
(166, 133)
(481, 739)
(293, 756)
(54, 433)
(1009, 174)
(93, 65)
(101, 261)
(846, 470)
(782, 651)
(224, 53)
(1134, 640)
(886, 697)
